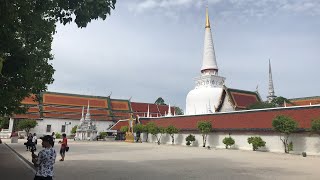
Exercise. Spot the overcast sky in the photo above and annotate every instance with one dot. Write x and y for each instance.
(153, 48)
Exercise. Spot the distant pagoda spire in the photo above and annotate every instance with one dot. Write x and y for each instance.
(82, 114)
(209, 63)
(88, 116)
(148, 113)
(271, 95)
(169, 111)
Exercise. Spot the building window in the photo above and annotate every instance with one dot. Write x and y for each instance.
(63, 128)
(48, 128)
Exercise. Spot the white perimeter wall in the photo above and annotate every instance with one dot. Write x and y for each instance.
(56, 125)
(302, 142)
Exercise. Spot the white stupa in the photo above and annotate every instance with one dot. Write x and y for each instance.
(209, 86)
(86, 129)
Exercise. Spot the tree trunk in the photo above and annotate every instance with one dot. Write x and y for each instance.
(172, 139)
(203, 140)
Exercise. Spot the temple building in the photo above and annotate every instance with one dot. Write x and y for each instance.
(60, 112)
(210, 94)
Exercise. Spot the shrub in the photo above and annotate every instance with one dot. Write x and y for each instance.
(124, 129)
(58, 136)
(74, 129)
(256, 142)
(228, 141)
(103, 135)
(190, 139)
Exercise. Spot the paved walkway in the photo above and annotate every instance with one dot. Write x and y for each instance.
(148, 161)
(12, 167)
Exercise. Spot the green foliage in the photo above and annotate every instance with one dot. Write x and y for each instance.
(228, 141)
(261, 105)
(147, 128)
(190, 139)
(290, 146)
(279, 101)
(178, 110)
(58, 135)
(103, 135)
(160, 101)
(162, 131)
(155, 130)
(139, 127)
(276, 102)
(315, 125)
(26, 34)
(4, 122)
(74, 129)
(171, 130)
(256, 142)
(286, 126)
(27, 124)
(124, 129)
(204, 127)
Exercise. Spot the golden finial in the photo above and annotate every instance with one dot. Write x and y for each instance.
(207, 18)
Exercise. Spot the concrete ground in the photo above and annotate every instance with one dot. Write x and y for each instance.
(124, 161)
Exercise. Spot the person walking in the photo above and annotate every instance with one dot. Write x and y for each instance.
(54, 137)
(34, 142)
(64, 145)
(45, 159)
(29, 142)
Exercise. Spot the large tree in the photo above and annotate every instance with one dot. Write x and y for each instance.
(178, 110)
(27, 124)
(160, 101)
(26, 33)
(4, 122)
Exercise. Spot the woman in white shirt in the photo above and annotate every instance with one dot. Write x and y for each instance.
(34, 142)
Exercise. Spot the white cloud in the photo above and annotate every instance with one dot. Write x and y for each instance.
(250, 8)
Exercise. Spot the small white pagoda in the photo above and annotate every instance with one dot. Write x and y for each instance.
(86, 129)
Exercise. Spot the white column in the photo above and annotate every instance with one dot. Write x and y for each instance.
(11, 124)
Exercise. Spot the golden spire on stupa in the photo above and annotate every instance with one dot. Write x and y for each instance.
(207, 18)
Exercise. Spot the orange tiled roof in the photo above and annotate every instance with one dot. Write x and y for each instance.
(305, 101)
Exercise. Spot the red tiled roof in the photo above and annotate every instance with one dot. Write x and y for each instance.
(243, 99)
(142, 108)
(241, 120)
(119, 124)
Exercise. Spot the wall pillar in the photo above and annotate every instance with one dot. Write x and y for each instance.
(11, 124)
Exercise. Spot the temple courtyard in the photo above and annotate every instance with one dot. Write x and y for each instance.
(139, 161)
